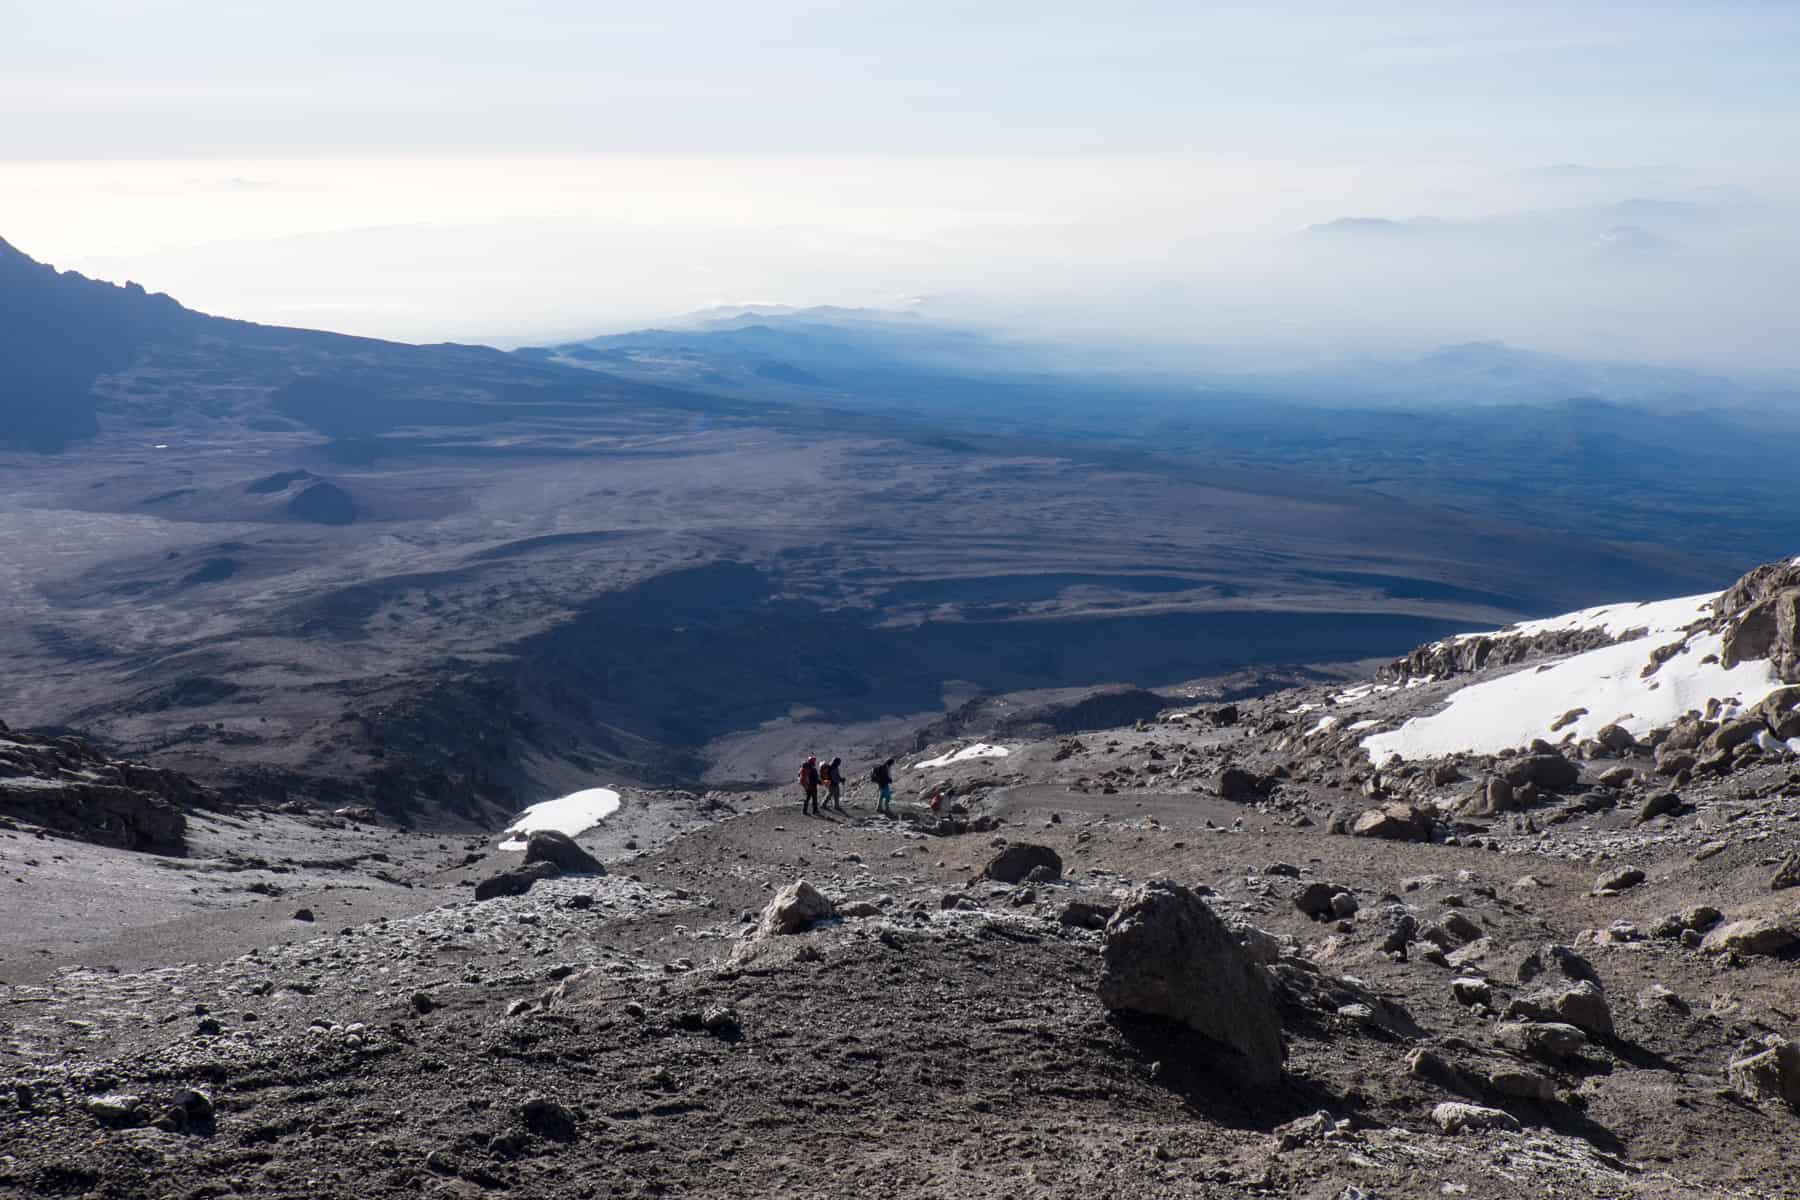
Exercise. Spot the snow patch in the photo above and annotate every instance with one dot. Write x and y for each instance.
(1658, 616)
(1510, 711)
(966, 754)
(573, 815)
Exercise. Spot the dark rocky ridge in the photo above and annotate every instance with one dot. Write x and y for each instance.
(64, 784)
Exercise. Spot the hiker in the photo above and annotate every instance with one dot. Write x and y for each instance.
(834, 784)
(883, 779)
(809, 785)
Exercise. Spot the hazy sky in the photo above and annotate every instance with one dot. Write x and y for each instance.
(452, 169)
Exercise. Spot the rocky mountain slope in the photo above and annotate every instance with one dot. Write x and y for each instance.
(66, 786)
(1220, 952)
(445, 581)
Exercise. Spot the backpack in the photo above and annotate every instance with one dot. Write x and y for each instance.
(808, 774)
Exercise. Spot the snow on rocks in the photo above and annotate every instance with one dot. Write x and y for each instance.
(1513, 710)
(1654, 617)
(966, 754)
(572, 815)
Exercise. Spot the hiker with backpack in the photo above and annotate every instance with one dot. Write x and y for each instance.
(833, 775)
(809, 785)
(883, 779)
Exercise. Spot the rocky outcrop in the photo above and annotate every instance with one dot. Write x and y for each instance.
(1466, 655)
(66, 786)
(1759, 616)
(1167, 955)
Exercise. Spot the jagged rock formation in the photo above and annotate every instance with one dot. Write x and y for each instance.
(65, 785)
(1467, 655)
(1760, 618)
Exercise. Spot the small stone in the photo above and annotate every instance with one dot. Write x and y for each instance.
(422, 1003)
(208, 1027)
(1552, 1042)
(1710, 849)
(195, 1104)
(1454, 1117)
(1659, 804)
(519, 1008)
(547, 1118)
(722, 1021)
(1471, 990)
(1787, 875)
(1524, 1085)
(1614, 882)
(1343, 905)
(115, 1108)
(303, 914)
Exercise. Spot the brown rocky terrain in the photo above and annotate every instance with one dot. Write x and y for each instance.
(1214, 953)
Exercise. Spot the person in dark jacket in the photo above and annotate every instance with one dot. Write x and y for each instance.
(834, 784)
(883, 779)
(809, 785)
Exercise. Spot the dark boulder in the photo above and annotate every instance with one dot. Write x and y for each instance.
(1551, 772)
(547, 845)
(1394, 822)
(1235, 783)
(1168, 956)
(515, 882)
(1020, 859)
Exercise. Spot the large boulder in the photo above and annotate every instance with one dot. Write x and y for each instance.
(1167, 955)
(1581, 1004)
(1394, 822)
(1780, 711)
(1569, 991)
(1616, 738)
(1020, 859)
(1767, 1069)
(1757, 935)
(795, 909)
(1731, 735)
(1552, 772)
(1235, 783)
(549, 846)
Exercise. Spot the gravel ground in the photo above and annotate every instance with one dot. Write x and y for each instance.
(626, 1034)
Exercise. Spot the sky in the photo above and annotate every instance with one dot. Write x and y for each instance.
(552, 168)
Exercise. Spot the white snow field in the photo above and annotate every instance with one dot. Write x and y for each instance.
(1658, 616)
(573, 814)
(978, 750)
(1510, 711)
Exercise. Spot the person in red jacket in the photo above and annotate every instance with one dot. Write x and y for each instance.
(809, 785)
